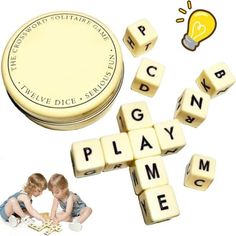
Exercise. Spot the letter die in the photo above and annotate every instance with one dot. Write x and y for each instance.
(144, 143)
(148, 173)
(200, 172)
(140, 37)
(117, 151)
(148, 77)
(87, 157)
(134, 115)
(170, 136)
(158, 204)
(192, 107)
(216, 79)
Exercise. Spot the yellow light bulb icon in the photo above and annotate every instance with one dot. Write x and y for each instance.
(201, 25)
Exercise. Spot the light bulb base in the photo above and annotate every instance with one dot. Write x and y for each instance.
(189, 43)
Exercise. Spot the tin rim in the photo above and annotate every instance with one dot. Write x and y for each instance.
(76, 124)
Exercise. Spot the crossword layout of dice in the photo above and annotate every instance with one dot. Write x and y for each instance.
(47, 227)
(142, 144)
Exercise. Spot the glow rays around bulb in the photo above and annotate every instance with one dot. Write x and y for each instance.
(183, 11)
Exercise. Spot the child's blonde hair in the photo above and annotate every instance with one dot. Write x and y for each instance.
(58, 181)
(36, 180)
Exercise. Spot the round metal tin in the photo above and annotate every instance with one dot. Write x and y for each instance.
(63, 69)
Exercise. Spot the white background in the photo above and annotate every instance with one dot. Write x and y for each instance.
(26, 148)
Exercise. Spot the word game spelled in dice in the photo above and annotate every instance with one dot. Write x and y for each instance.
(140, 37)
(148, 173)
(133, 116)
(117, 151)
(200, 172)
(87, 157)
(192, 107)
(170, 136)
(216, 79)
(35, 227)
(48, 225)
(148, 77)
(138, 147)
(158, 204)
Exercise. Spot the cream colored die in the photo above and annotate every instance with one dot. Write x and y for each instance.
(117, 151)
(148, 77)
(140, 37)
(148, 173)
(216, 79)
(200, 172)
(134, 115)
(158, 204)
(144, 143)
(87, 157)
(170, 136)
(192, 107)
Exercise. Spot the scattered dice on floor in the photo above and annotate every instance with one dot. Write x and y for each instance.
(141, 144)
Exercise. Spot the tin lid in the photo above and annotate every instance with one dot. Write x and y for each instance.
(63, 68)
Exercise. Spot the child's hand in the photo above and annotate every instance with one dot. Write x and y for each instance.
(55, 220)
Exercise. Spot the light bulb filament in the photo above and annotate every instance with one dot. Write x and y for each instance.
(198, 30)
